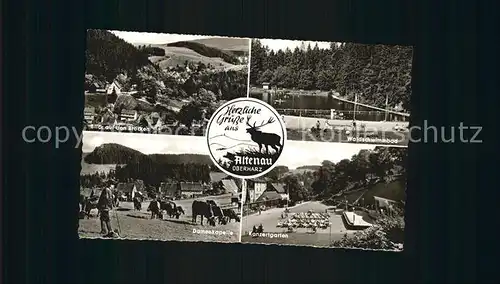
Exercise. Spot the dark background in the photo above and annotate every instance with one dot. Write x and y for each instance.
(43, 67)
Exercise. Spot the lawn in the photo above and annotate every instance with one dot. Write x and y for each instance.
(134, 224)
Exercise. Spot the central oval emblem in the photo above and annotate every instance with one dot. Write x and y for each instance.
(245, 138)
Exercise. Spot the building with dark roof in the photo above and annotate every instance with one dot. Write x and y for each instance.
(264, 192)
(170, 189)
(130, 189)
(89, 114)
(191, 189)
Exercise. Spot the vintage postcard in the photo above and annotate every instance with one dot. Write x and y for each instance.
(246, 156)
(329, 195)
(335, 92)
(155, 187)
(160, 83)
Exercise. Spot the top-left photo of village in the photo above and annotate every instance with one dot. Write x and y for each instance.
(160, 83)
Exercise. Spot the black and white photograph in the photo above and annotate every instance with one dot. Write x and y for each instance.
(329, 195)
(335, 91)
(155, 187)
(160, 83)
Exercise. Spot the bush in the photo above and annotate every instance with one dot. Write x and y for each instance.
(387, 233)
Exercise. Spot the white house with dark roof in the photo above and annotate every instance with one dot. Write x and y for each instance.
(114, 87)
(262, 190)
(280, 189)
(224, 182)
(128, 115)
(256, 187)
(89, 114)
(191, 189)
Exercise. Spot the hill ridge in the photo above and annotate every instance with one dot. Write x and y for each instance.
(114, 153)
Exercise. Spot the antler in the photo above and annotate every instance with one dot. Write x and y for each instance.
(269, 121)
(248, 121)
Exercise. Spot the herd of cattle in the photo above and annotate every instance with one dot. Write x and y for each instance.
(208, 209)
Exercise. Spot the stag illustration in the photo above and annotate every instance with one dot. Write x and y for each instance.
(263, 138)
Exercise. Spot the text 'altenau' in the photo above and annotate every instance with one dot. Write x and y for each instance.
(252, 161)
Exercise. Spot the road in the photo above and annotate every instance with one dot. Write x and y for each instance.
(269, 219)
(134, 224)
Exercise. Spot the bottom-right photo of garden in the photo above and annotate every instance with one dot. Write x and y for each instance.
(329, 195)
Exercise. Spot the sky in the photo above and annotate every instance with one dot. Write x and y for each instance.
(163, 38)
(277, 44)
(155, 38)
(310, 153)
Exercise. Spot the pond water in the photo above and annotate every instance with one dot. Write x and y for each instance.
(321, 104)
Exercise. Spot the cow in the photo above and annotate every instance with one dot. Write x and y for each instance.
(219, 214)
(179, 212)
(204, 209)
(263, 138)
(89, 204)
(154, 207)
(172, 209)
(169, 207)
(229, 213)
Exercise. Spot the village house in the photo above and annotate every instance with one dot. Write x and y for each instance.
(92, 88)
(256, 188)
(130, 189)
(91, 84)
(191, 189)
(265, 86)
(128, 115)
(170, 190)
(89, 114)
(88, 192)
(222, 183)
(262, 191)
(114, 87)
(280, 189)
(229, 186)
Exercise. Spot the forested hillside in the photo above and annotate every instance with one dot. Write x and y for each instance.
(153, 173)
(152, 169)
(206, 50)
(372, 71)
(110, 58)
(106, 52)
(368, 167)
(112, 153)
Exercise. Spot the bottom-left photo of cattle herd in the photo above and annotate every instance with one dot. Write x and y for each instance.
(155, 187)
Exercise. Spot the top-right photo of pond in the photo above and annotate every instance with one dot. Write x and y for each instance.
(335, 91)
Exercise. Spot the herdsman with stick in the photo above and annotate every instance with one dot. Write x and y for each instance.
(105, 204)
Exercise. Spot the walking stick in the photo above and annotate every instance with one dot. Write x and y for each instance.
(118, 222)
